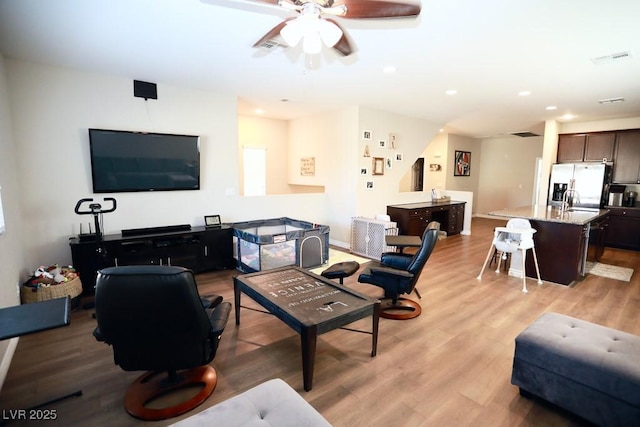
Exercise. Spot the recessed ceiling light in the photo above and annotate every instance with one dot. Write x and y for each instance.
(389, 69)
(524, 93)
(568, 116)
(259, 111)
(551, 108)
(451, 92)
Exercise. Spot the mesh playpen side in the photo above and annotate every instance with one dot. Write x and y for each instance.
(279, 242)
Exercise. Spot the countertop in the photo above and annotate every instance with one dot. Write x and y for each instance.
(552, 214)
(419, 205)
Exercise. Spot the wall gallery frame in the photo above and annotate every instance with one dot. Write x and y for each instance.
(462, 165)
(378, 166)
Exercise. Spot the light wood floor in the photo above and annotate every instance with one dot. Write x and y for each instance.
(451, 366)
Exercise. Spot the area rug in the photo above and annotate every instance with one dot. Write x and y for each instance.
(609, 271)
(336, 256)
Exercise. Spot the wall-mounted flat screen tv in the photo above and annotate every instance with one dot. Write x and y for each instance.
(123, 161)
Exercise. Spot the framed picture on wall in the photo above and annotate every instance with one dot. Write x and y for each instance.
(462, 165)
(378, 166)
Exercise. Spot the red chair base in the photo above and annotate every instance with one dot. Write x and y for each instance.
(152, 385)
(403, 309)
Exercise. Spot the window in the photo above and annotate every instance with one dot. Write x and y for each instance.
(254, 171)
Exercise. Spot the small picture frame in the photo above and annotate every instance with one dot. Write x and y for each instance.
(393, 139)
(462, 163)
(212, 221)
(367, 135)
(377, 166)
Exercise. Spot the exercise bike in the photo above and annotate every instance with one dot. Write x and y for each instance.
(96, 210)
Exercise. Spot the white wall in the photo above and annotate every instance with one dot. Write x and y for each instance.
(600, 125)
(437, 154)
(330, 138)
(273, 136)
(11, 241)
(53, 108)
(507, 171)
(413, 136)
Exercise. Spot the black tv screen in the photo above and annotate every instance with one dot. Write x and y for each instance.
(137, 161)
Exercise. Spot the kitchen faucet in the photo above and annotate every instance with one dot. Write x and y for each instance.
(568, 196)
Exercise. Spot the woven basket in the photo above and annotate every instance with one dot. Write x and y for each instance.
(72, 288)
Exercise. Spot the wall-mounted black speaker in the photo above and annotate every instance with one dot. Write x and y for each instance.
(145, 90)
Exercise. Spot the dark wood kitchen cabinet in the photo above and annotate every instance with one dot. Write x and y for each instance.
(624, 228)
(586, 147)
(412, 218)
(571, 148)
(626, 165)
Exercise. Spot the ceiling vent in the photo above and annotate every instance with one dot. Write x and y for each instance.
(611, 58)
(611, 100)
(273, 44)
(524, 134)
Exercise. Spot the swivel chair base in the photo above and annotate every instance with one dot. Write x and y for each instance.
(403, 309)
(153, 385)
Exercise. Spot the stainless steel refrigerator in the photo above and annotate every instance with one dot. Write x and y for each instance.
(592, 182)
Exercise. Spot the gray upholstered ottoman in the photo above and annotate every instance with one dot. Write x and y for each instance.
(272, 403)
(588, 369)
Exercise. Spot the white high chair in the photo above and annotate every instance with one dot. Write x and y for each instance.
(516, 236)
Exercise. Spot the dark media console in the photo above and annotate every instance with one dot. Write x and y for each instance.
(197, 248)
(155, 230)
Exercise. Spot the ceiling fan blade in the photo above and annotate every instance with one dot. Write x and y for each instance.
(370, 9)
(274, 32)
(343, 46)
(274, 2)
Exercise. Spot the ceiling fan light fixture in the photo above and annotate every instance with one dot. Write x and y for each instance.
(292, 32)
(312, 43)
(330, 33)
(312, 29)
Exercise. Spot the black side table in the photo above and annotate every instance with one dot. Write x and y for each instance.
(34, 317)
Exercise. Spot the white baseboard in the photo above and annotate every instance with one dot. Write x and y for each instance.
(340, 244)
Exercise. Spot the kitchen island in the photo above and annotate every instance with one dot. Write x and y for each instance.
(563, 240)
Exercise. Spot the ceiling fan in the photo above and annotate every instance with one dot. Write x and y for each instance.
(313, 28)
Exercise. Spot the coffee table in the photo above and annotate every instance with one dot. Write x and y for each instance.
(310, 304)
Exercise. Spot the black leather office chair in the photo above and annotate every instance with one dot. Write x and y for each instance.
(155, 321)
(397, 273)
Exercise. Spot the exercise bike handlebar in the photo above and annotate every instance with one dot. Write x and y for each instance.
(95, 208)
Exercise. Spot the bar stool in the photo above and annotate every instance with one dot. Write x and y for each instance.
(516, 236)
